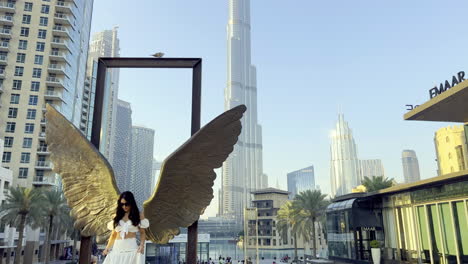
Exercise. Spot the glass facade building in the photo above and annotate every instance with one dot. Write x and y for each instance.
(421, 222)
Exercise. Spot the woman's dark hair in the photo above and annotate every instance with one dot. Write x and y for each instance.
(134, 214)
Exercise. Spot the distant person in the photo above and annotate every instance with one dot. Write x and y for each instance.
(127, 222)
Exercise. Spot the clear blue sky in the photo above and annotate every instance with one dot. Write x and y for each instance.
(368, 58)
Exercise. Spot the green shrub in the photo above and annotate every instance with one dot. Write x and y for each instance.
(374, 244)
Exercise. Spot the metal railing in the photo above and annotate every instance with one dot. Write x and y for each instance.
(8, 5)
(6, 18)
(5, 31)
(42, 149)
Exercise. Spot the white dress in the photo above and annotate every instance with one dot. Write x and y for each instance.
(124, 251)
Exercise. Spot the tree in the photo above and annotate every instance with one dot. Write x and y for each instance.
(24, 207)
(310, 206)
(376, 183)
(287, 218)
(56, 211)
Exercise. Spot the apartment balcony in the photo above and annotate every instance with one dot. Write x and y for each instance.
(60, 44)
(42, 135)
(63, 7)
(55, 82)
(6, 20)
(56, 68)
(7, 7)
(43, 150)
(61, 31)
(43, 165)
(61, 18)
(5, 33)
(1, 88)
(59, 56)
(3, 59)
(4, 46)
(2, 73)
(43, 180)
(53, 95)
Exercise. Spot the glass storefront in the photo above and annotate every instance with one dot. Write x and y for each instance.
(430, 224)
(351, 226)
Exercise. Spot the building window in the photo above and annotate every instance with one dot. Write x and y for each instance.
(35, 86)
(23, 173)
(17, 84)
(8, 142)
(14, 98)
(450, 155)
(40, 46)
(31, 114)
(45, 9)
(24, 32)
(37, 72)
(43, 21)
(6, 156)
(38, 59)
(28, 6)
(26, 19)
(20, 57)
(33, 99)
(27, 142)
(10, 127)
(23, 44)
(12, 112)
(29, 128)
(19, 71)
(25, 157)
(42, 33)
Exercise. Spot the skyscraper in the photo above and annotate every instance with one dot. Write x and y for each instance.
(141, 163)
(242, 172)
(410, 166)
(106, 44)
(43, 52)
(123, 137)
(344, 162)
(452, 149)
(371, 168)
(301, 180)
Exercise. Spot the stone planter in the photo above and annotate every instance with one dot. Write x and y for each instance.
(375, 255)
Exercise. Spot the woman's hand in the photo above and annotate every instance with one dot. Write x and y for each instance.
(105, 252)
(141, 249)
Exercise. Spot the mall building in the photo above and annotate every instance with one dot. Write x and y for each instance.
(420, 222)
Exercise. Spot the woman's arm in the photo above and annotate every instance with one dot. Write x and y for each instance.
(110, 243)
(141, 248)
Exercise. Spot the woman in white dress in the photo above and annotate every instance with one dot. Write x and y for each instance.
(122, 247)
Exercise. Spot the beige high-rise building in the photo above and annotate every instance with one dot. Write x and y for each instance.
(43, 53)
(106, 44)
(451, 148)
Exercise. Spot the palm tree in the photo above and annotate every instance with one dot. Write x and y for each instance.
(56, 211)
(24, 207)
(377, 183)
(312, 205)
(286, 222)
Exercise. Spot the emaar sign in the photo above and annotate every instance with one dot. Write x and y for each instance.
(456, 79)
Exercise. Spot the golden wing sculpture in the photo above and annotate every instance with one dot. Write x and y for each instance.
(87, 178)
(184, 188)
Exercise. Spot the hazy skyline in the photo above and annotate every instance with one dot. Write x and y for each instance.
(368, 58)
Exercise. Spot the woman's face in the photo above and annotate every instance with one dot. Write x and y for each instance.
(125, 205)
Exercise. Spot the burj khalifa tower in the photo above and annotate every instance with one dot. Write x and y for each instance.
(242, 172)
